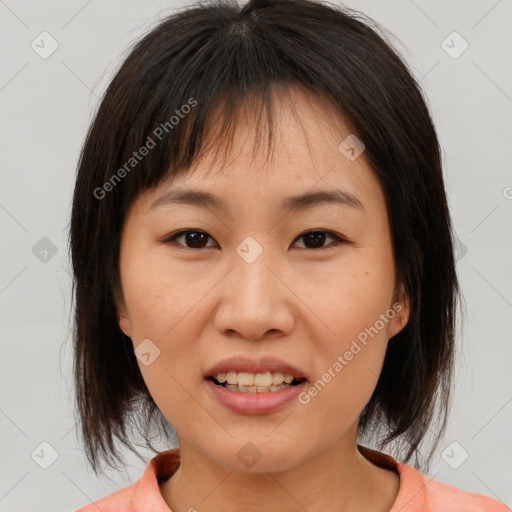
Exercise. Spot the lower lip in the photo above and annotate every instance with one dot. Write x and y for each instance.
(255, 403)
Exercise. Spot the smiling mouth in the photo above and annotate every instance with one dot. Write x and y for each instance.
(243, 382)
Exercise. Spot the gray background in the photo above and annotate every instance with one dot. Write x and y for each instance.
(46, 105)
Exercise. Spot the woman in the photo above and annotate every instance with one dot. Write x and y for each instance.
(263, 259)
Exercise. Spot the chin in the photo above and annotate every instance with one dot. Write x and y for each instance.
(257, 457)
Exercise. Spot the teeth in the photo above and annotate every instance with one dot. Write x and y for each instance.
(256, 389)
(232, 377)
(245, 379)
(258, 380)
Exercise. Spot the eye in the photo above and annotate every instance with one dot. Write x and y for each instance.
(197, 239)
(314, 239)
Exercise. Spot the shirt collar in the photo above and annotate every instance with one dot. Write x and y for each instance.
(411, 495)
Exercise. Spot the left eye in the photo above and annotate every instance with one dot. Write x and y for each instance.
(196, 239)
(318, 237)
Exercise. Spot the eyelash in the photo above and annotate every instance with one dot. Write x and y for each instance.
(338, 239)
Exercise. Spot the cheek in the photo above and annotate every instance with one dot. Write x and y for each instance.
(348, 297)
(159, 294)
(353, 303)
(164, 306)
(347, 363)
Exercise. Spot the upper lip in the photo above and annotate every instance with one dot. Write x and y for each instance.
(242, 363)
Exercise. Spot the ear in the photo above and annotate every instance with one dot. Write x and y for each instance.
(402, 308)
(122, 314)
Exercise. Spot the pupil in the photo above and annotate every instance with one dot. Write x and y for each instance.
(314, 237)
(195, 239)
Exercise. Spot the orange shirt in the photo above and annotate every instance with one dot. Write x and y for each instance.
(417, 493)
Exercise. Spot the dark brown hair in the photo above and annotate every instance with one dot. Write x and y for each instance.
(220, 53)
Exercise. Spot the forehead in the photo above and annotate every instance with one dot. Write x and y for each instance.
(307, 131)
(241, 169)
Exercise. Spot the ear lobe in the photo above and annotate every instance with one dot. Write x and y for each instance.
(124, 324)
(122, 315)
(401, 305)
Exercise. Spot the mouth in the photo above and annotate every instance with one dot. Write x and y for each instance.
(261, 385)
(266, 374)
(245, 382)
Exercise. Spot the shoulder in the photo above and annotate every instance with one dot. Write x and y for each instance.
(144, 494)
(421, 493)
(440, 494)
(119, 501)
(441, 497)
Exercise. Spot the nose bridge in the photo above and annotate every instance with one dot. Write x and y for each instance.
(255, 281)
(254, 299)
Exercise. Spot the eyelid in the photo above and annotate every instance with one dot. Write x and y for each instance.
(337, 237)
(172, 238)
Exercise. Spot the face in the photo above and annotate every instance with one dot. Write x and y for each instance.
(250, 281)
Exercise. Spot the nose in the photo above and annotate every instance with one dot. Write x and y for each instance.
(255, 302)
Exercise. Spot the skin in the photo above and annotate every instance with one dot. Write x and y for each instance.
(305, 306)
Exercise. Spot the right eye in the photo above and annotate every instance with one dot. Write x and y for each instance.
(195, 238)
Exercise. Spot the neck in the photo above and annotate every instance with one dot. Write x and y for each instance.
(337, 479)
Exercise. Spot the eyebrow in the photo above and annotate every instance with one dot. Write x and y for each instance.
(292, 203)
